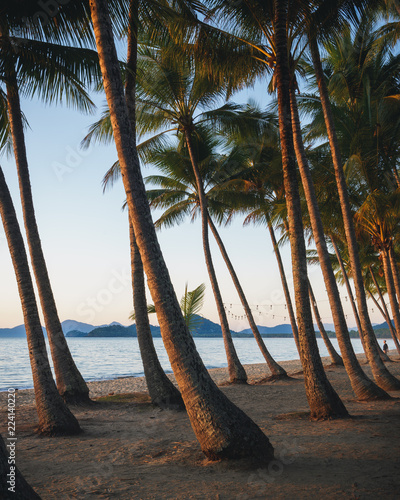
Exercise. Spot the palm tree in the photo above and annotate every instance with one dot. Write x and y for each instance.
(264, 203)
(322, 398)
(54, 416)
(222, 429)
(161, 390)
(191, 304)
(178, 194)
(378, 217)
(266, 19)
(53, 72)
(21, 489)
(335, 358)
(172, 95)
(382, 376)
(362, 386)
(383, 309)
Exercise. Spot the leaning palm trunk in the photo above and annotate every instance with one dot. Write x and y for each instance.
(362, 386)
(222, 429)
(382, 376)
(277, 371)
(285, 287)
(22, 490)
(348, 288)
(383, 356)
(394, 305)
(335, 358)
(387, 319)
(322, 398)
(54, 416)
(70, 382)
(395, 271)
(384, 310)
(161, 390)
(237, 374)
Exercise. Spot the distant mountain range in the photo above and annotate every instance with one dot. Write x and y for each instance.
(207, 328)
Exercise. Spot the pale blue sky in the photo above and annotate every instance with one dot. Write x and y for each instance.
(85, 235)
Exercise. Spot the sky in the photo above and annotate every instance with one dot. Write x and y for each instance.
(85, 235)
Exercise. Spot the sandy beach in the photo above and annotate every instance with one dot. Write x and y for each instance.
(132, 450)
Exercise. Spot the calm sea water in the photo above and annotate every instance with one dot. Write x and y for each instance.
(108, 358)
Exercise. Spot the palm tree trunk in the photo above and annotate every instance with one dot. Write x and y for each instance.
(322, 398)
(162, 391)
(335, 358)
(54, 416)
(348, 288)
(22, 490)
(383, 310)
(394, 305)
(222, 429)
(381, 374)
(383, 356)
(237, 373)
(277, 371)
(285, 287)
(362, 386)
(395, 271)
(70, 382)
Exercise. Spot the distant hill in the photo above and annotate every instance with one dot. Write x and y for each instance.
(76, 333)
(271, 330)
(206, 328)
(69, 325)
(113, 330)
(18, 332)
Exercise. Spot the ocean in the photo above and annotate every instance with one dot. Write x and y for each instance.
(109, 358)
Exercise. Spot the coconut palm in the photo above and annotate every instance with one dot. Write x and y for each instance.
(54, 416)
(178, 196)
(322, 398)
(222, 429)
(262, 21)
(161, 390)
(169, 95)
(382, 376)
(378, 217)
(191, 304)
(383, 308)
(335, 358)
(174, 96)
(34, 67)
(262, 182)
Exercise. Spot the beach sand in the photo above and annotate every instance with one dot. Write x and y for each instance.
(132, 450)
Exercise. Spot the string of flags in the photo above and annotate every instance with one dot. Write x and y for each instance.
(236, 311)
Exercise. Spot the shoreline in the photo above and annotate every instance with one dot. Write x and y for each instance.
(126, 384)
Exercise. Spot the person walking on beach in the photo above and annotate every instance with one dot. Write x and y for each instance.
(385, 347)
